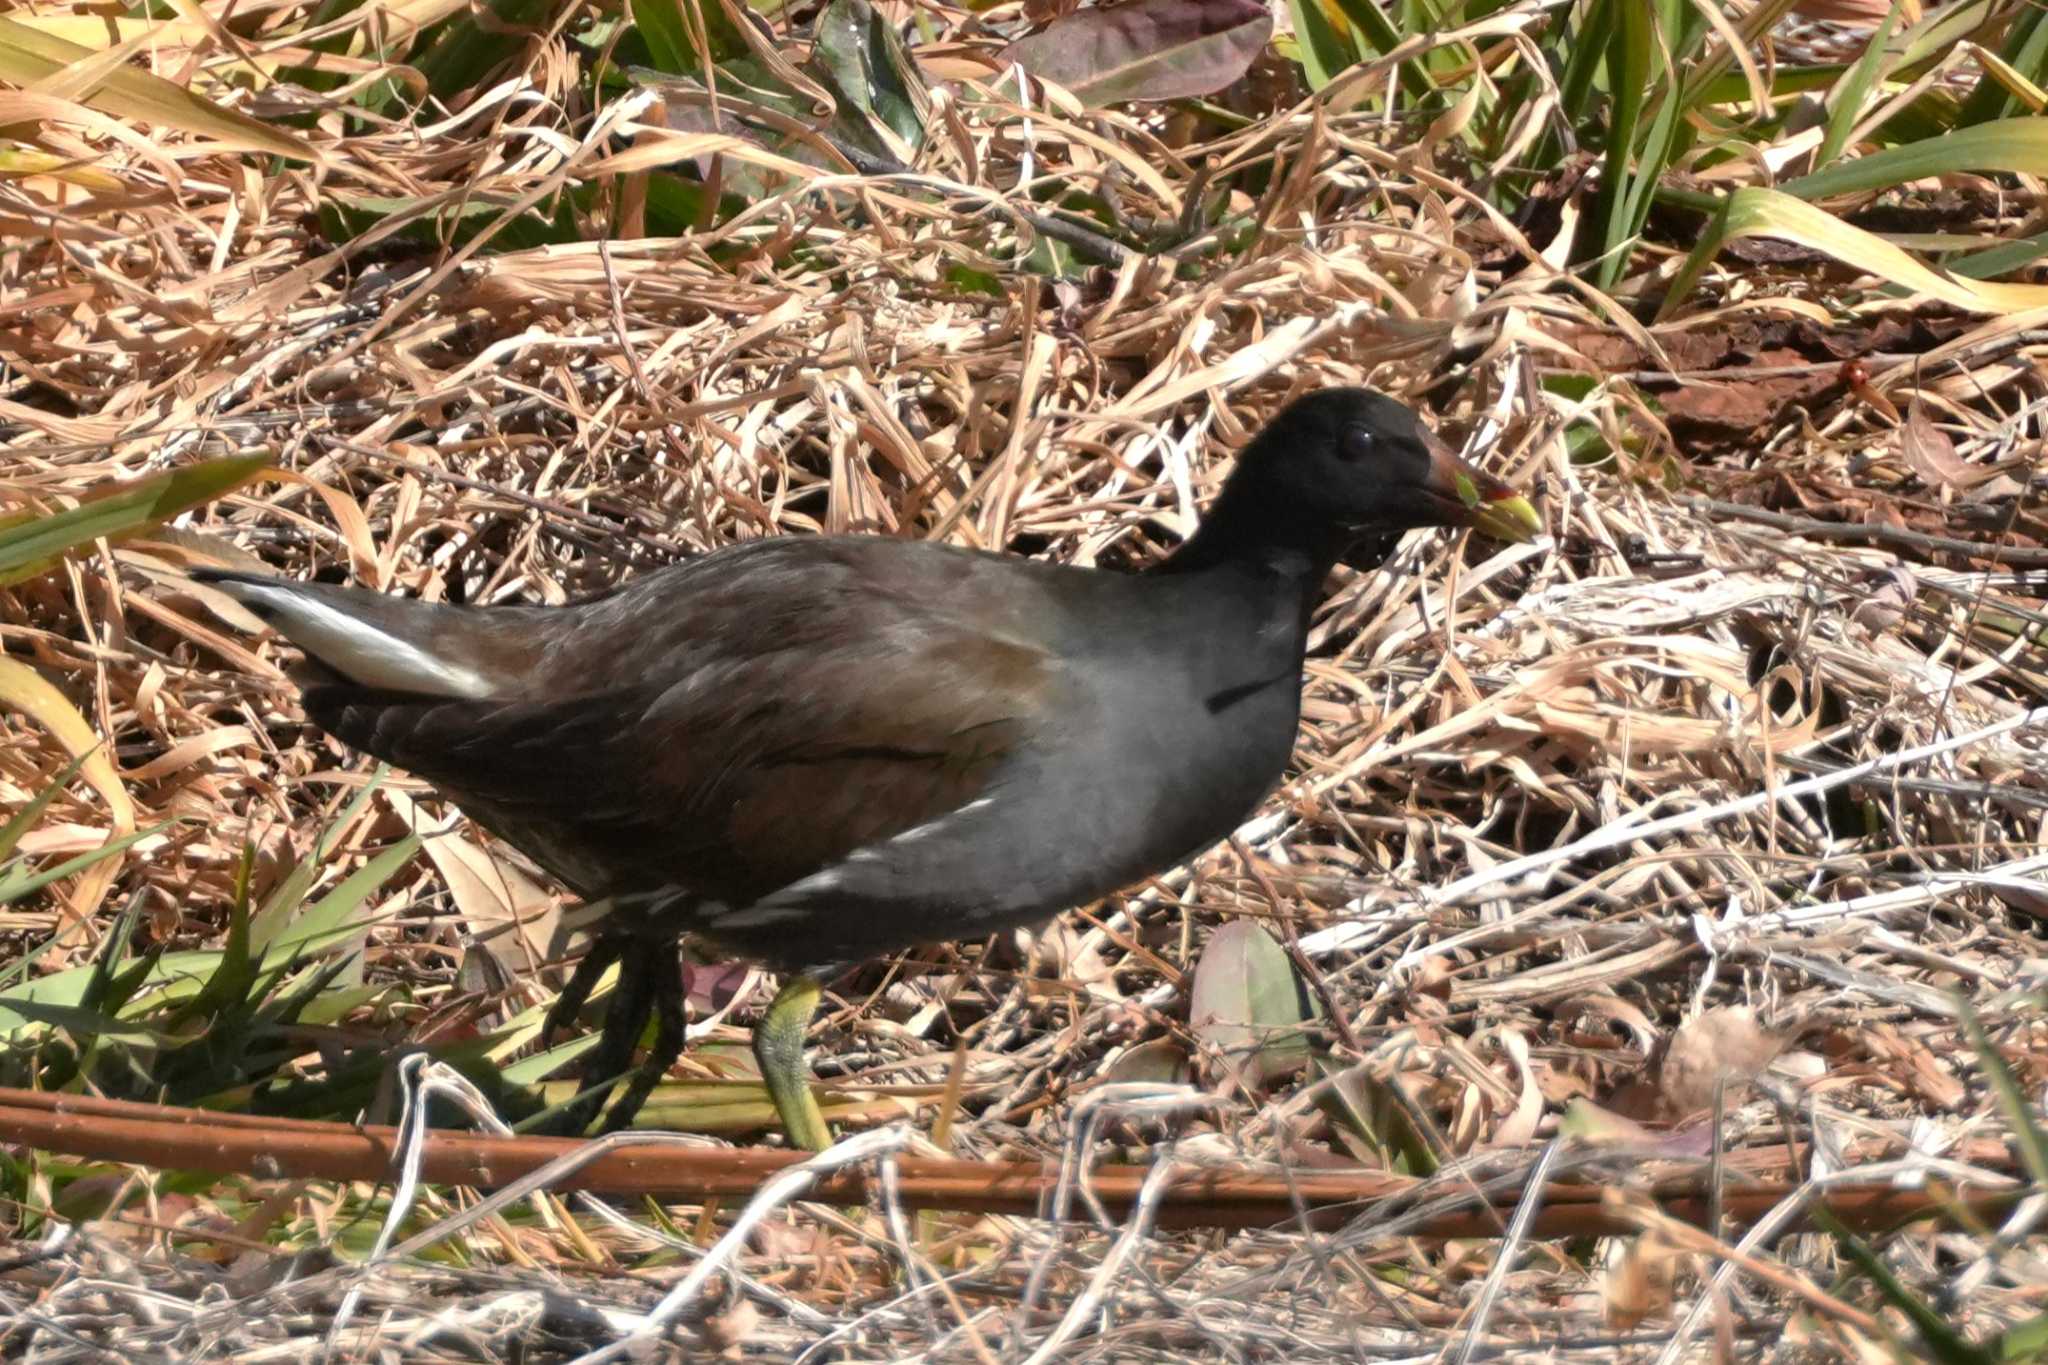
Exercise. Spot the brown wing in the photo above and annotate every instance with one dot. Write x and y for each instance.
(747, 771)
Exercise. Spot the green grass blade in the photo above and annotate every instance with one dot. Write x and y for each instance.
(1628, 72)
(37, 881)
(1582, 63)
(1850, 98)
(2018, 146)
(1754, 212)
(1380, 37)
(2025, 50)
(34, 544)
(1943, 1342)
(334, 913)
(277, 911)
(2002, 259)
(2026, 1126)
(25, 818)
(1325, 52)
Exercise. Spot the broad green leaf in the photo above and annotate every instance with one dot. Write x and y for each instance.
(1755, 212)
(1326, 51)
(867, 68)
(2025, 1340)
(1372, 1111)
(686, 37)
(1147, 49)
(31, 545)
(1159, 1061)
(2018, 146)
(28, 57)
(1248, 1003)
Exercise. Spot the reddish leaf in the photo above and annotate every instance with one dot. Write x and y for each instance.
(1148, 49)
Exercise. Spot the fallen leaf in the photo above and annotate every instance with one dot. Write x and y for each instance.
(1247, 1003)
(1721, 1046)
(1931, 455)
(1147, 50)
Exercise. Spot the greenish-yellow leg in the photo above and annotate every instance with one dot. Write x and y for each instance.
(779, 1048)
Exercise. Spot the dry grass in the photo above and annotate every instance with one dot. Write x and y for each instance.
(535, 424)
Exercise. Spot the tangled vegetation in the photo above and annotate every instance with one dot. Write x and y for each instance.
(1693, 853)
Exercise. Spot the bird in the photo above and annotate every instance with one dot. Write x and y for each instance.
(813, 750)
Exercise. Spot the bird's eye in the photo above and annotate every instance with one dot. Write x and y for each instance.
(1359, 443)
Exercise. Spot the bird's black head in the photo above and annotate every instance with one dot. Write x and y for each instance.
(1339, 467)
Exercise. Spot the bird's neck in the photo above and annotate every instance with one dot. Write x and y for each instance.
(1249, 531)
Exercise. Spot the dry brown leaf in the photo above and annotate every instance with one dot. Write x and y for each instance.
(1930, 453)
(504, 912)
(1722, 1046)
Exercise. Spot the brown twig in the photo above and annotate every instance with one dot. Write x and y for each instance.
(192, 1139)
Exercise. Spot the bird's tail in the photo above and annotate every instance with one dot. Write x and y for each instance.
(370, 639)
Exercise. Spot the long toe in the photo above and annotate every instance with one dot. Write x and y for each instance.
(602, 953)
(666, 978)
(624, 1022)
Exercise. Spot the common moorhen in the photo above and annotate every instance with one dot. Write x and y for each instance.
(810, 750)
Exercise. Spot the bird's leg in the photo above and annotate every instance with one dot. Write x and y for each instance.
(602, 953)
(667, 979)
(779, 1048)
(632, 1002)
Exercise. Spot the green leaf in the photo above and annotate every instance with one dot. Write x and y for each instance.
(266, 924)
(861, 61)
(672, 34)
(84, 1024)
(17, 888)
(334, 914)
(1147, 49)
(231, 981)
(1628, 65)
(1376, 1114)
(25, 818)
(1248, 1003)
(1943, 1342)
(1159, 1061)
(2024, 1341)
(2002, 259)
(1380, 37)
(2026, 1126)
(182, 971)
(1325, 52)
(2015, 145)
(30, 58)
(1850, 98)
(31, 545)
(1754, 212)
(2025, 51)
